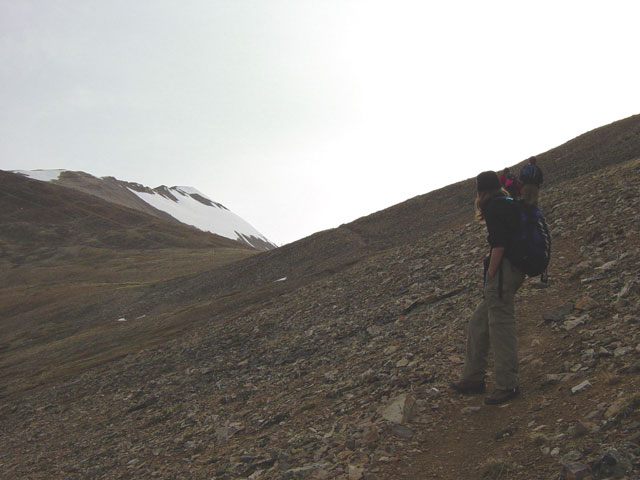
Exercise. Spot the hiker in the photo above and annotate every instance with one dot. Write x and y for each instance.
(493, 322)
(503, 177)
(531, 178)
(511, 184)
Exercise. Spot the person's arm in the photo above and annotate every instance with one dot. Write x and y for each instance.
(496, 257)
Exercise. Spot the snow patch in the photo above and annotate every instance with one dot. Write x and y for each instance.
(187, 209)
(42, 175)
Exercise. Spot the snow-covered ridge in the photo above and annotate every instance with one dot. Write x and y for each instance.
(213, 217)
(185, 204)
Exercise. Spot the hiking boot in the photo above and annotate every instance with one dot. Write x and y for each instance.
(501, 396)
(467, 387)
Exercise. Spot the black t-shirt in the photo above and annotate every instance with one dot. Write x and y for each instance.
(501, 218)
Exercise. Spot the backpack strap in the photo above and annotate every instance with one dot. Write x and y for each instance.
(486, 268)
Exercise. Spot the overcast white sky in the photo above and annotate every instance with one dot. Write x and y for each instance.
(301, 115)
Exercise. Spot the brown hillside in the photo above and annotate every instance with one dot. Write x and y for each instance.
(249, 377)
(70, 260)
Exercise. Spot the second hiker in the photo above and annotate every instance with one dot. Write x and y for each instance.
(531, 178)
(511, 184)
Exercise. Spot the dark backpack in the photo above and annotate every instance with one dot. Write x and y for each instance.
(530, 174)
(530, 248)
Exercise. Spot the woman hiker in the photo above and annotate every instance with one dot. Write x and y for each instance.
(493, 323)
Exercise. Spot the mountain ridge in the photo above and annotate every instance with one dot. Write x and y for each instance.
(42, 215)
(181, 204)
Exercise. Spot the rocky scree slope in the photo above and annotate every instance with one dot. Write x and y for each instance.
(298, 384)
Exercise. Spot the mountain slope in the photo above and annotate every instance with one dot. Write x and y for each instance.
(289, 377)
(69, 261)
(182, 204)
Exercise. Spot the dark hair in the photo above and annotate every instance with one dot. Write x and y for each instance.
(533, 160)
(487, 181)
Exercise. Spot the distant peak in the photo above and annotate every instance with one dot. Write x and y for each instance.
(185, 204)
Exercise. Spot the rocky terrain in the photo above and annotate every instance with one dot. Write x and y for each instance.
(330, 358)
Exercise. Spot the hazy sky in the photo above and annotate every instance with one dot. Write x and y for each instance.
(301, 115)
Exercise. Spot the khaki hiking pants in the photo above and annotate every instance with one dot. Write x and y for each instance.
(530, 194)
(494, 324)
